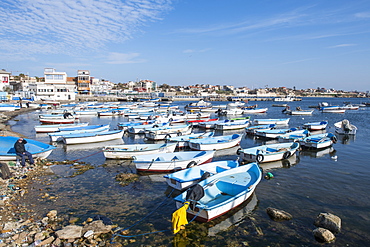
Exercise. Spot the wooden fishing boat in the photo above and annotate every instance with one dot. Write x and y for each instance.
(140, 129)
(273, 133)
(233, 124)
(281, 121)
(293, 136)
(92, 137)
(216, 143)
(56, 127)
(316, 125)
(251, 130)
(164, 134)
(169, 162)
(36, 148)
(183, 140)
(58, 120)
(183, 179)
(319, 141)
(345, 128)
(332, 109)
(254, 110)
(58, 136)
(221, 192)
(299, 112)
(268, 153)
(212, 125)
(127, 151)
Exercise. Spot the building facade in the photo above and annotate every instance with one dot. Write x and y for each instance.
(4, 79)
(83, 82)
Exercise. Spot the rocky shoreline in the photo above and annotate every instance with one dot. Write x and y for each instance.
(18, 227)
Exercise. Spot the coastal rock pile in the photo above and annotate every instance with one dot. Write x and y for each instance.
(328, 224)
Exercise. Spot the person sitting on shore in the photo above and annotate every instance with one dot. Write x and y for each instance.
(20, 150)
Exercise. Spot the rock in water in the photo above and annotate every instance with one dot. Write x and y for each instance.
(328, 221)
(323, 235)
(278, 215)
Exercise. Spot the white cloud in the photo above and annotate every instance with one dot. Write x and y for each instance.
(342, 45)
(122, 58)
(69, 26)
(196, 51)
(363, 15)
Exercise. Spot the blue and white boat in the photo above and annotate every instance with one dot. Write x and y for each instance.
(36, 148)
(140, 129)
(92, 137)
(216, 142)
(231, 125)
(183, 140)
(127, 151)
(251, 130)
(165, 132)
(316, 125)
(280, 121)
(319, 141)
(273, 133)
(169, 162)
(183, 179)
(9, 107)
(269, 152)
(222, 192)
(293, 136)
(58, 136)
(57, 127)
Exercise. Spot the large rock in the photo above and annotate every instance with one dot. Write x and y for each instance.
(97, 227)
(328, 221)
(323, 235)
(70, 232)
(278, 215)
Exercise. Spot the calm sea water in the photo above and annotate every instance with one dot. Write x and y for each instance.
(305, 185)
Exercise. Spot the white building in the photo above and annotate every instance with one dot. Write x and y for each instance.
(4, 79)
(55, 87)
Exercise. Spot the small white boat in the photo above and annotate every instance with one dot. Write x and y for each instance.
(300, 112)
(273, 133)
(316, 125)
(140, 129)
(344, 127)
(110, 113)
(268, 153)
(251, 130)
(56, 127)
(254, 110)
(4, 107)
(127, 151)
(222, 192)
(183, 179)
(233, 124)
(201, 104)
(216, 143)
(319, 141)
(164, 134)
(58, 120)
(92, 137)
(212, 124)
(332, 109)
(169, 162)
(281, 121)
(183, 140)
(293, 136)
(58, 136)
(36, 148)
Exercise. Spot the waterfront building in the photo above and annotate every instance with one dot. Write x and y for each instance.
(4, 79)
(83, 82)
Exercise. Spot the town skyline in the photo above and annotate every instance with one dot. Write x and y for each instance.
(242, 43)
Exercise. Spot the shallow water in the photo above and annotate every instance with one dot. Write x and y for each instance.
(305, 185)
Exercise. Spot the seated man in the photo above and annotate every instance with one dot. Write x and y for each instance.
(20, 150)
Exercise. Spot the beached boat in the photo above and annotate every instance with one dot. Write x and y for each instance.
(36, 148)
(269, 152)
(4, 107)
(216, 143)
(92, 137)
(56, 127)
(183, 140)
(127, 151)
(221, 192)
(169, 162)
(273, 133)
(345, 128)
(280, 121)
(58, 136)
(316, 125)
(297, 135)
(319, 141)
(233, 124)
(251, 130)
(183, 179)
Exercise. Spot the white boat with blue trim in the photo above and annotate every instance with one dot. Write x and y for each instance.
(127, 151)
(58, 136)
(92, 137)
(221, 192)
(216, 142)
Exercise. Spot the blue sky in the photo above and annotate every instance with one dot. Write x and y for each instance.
(306, 44)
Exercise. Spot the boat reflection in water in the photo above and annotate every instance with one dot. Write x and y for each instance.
(346, 139)
(234, 217)
(318, 153)
(286, 163)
